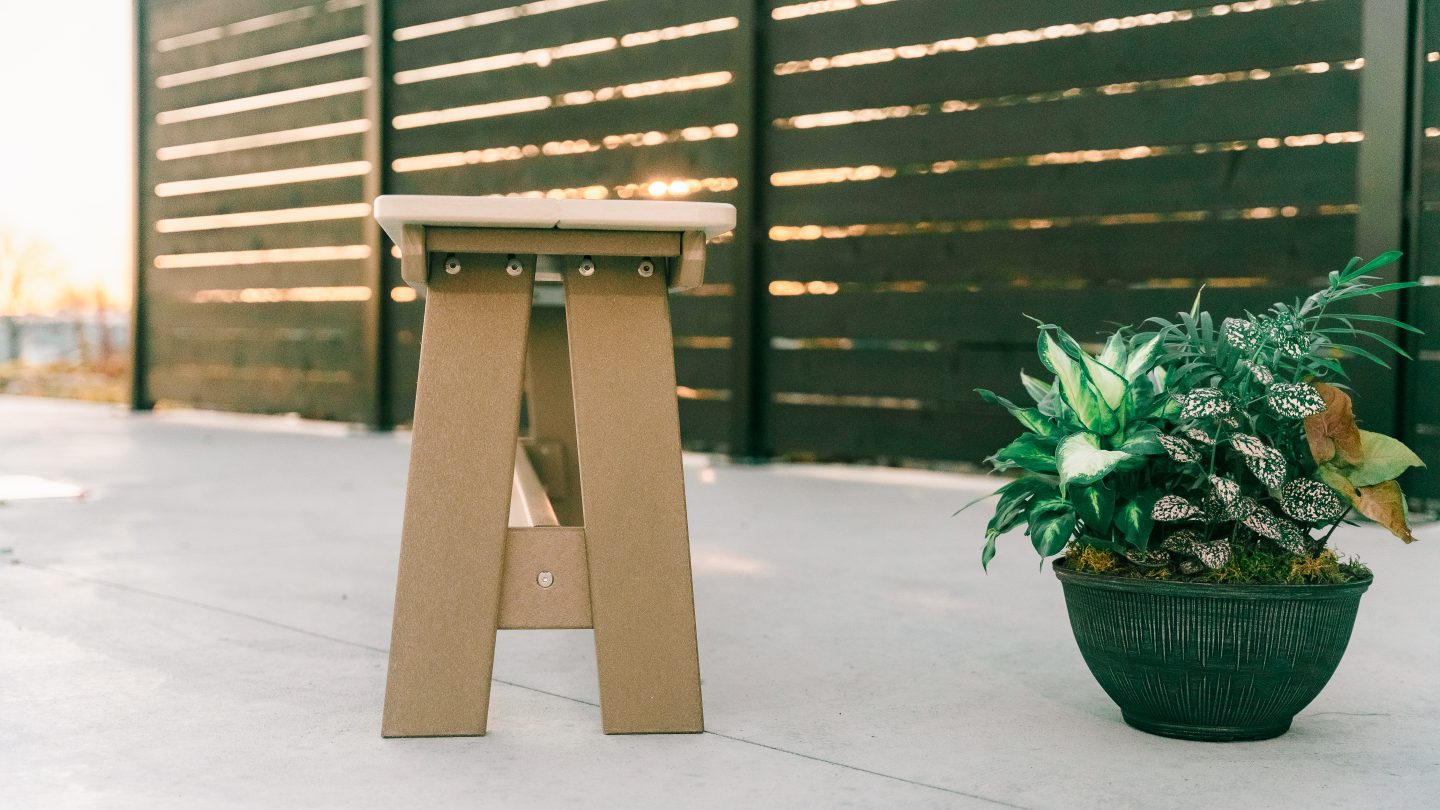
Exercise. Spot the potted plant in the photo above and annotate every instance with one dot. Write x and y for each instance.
(1192, 475)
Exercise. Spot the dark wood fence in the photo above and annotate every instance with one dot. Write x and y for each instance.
(912, 176)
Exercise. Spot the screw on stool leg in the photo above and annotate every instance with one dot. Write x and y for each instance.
(587, 266)
(647, 267)
(452, 264)
(513, 266)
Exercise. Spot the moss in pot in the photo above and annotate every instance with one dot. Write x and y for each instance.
(1191, 476)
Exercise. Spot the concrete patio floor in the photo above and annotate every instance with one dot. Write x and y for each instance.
(208, 628)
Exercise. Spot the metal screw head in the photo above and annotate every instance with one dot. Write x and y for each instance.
(587, 267)
(452, 264)
(647, 268)
(513, 266)
(545, 579)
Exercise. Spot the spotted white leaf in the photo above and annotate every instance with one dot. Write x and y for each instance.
(1203, 402)
(1294, 400)
(1179, 449)
(1172, 508)
(1243, 335)
(1198, 435)
(1310, 501)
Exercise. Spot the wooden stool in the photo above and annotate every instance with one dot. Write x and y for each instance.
(581, 523)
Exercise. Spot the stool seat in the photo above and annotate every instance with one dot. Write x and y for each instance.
(394, 211)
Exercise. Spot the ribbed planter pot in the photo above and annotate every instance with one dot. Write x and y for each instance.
(1209, 662)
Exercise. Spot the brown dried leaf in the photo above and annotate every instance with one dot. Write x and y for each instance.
(1385, 504)
(1333, 431)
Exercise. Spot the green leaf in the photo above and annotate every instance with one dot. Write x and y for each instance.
(988, 552)
(1376, 319)
(1106, 380)
(1376, 290)
(1075, 389)
(1012, 509)
(1143, 441)
(1052, 524)
(1095, 505)
(1116, 351)
(1383, 459)
(1029, 418)
(1037, 390)
(1143, 357)
(1029, 451)
(1132, 516)
(1376, 263)
(1081, 461)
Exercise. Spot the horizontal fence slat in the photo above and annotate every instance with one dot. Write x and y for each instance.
(1244, 110)
(1261, 39)
(1299, 176)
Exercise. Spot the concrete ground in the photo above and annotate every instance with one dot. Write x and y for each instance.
(208, 628)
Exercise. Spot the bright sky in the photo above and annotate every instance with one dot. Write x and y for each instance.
(66, 152)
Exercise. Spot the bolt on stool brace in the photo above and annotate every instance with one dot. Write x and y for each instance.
(581, 523)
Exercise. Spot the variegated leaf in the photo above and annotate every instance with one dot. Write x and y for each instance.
(1204, 402)
(1172, 508)
(1243, 335)
(1310, 501)
(1293, 539)
(1294, 400)
(1198, 435)
(1181, 542)
(1179, 449)
(1153, 558)
(1265, 523)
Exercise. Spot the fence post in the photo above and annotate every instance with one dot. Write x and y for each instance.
(1387, 167)
(750, 340)
(139, 388)
(377, 330)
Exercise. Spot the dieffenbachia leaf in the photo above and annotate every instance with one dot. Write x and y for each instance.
(1132, 517)
(1081, 461)
(1012, 509)
(1095, 505)
(1037, 390)
(1107, 381)
(1115, 352)
(1052, 524)
(1029, 418)
(1029, 451)
(1143, 355)
(1144, 441)
(1089, 407)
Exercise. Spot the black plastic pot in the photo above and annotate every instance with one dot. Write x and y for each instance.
(1209, 662)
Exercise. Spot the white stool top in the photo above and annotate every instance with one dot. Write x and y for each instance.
(394, 211)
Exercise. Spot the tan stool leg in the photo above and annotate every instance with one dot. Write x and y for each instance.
(637, 538)
(462, 459)
(552, 413)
